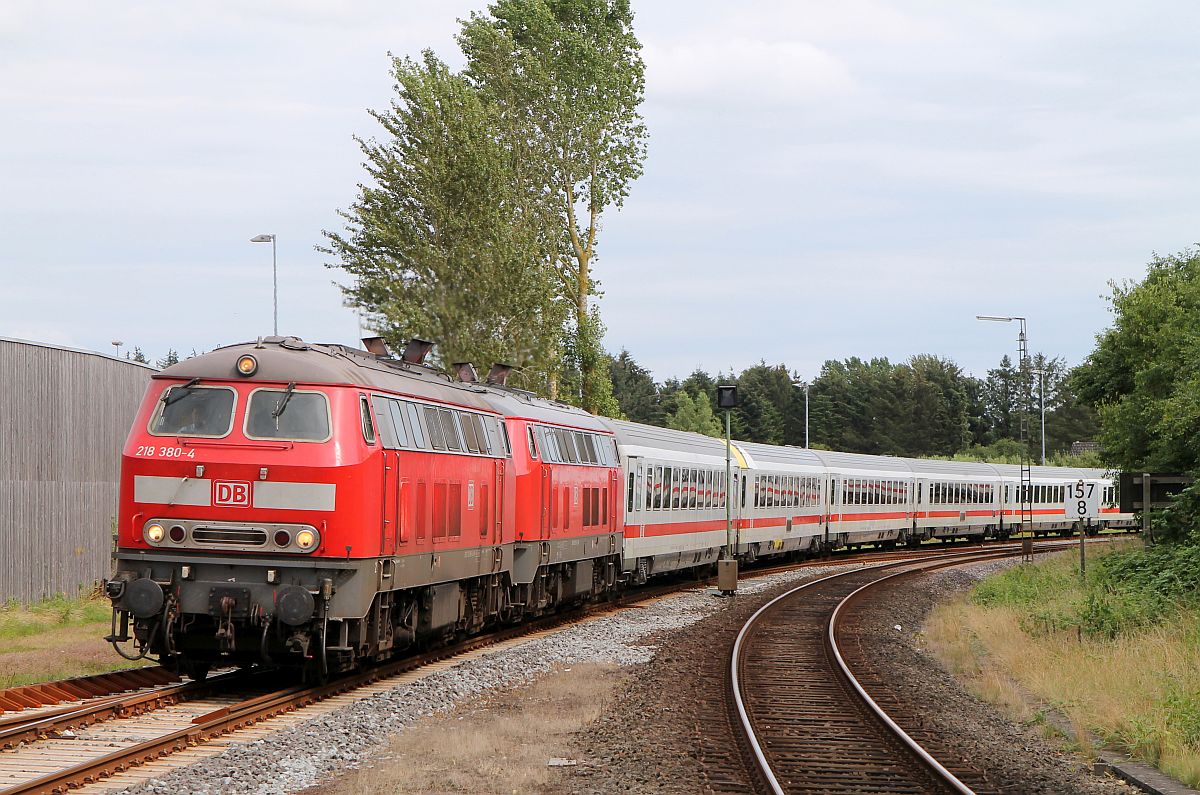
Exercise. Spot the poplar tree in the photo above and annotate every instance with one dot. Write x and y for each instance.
(568, 77)
(446, 241)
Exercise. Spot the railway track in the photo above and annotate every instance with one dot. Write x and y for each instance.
(806, 722)
(79, 745)
(55, 748)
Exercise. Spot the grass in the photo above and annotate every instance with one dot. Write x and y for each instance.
(1119, 659)
(55, 639)
(500, 745)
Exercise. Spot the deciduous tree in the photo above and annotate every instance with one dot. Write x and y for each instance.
(446, 241)
(567, 77)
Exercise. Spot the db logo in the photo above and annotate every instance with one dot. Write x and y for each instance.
(231, 492)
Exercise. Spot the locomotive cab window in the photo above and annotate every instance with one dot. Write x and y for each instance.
(288, 414)
(368, 427)
(189, 410)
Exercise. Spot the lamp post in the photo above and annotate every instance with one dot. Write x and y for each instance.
(274, 275)
(117, 344)
(727, 399)
(1026, 495)
(1042, 400)
(804, 384)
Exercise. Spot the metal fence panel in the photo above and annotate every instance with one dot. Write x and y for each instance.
(64, 416)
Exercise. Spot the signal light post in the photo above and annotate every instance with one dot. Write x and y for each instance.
(727, 399)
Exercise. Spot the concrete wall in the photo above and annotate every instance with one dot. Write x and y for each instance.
(64, 416)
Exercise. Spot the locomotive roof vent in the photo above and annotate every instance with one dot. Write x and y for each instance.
(377, 346)
(416, 350)
(498, 375)
(465, 372)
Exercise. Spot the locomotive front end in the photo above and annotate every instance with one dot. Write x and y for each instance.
(237, 503)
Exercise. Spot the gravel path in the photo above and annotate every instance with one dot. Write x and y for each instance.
(298, 757)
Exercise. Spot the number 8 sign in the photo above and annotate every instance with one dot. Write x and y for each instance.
(1083, 500)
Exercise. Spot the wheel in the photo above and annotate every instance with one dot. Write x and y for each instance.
(193, 669)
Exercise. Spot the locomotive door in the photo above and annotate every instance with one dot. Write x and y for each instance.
(391, 488)
(547, 497)
(497, 506)
(613, 502)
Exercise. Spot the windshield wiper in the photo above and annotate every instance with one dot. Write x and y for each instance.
(183, 391)
(287, 395)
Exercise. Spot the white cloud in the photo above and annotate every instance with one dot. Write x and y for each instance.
(720, 71)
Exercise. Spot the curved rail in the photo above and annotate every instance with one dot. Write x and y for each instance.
(937, 767)
(763, 765)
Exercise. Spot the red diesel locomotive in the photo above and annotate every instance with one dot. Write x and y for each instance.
(290, 503)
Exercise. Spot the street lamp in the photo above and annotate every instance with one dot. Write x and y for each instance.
(117, 344)
(805, 385)
(727, 401)
(1026, 470)
(1042, 400)
(274, 275)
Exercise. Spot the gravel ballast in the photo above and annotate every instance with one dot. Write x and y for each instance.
(665, 730)
(297, 757)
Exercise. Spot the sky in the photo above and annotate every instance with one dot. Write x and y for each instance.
(824, 180)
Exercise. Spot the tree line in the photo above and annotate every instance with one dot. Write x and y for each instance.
(926, 406)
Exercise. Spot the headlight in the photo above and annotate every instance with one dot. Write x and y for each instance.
(155, 533)
(247, 365)
(305, 539)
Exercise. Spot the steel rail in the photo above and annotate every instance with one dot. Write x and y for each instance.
(937, 559)
(930, 762)
(764, 766)
(58, 720)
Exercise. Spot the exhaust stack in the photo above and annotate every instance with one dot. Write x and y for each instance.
(416, 350)
(465, 371)
(498, 375)
(376, 346)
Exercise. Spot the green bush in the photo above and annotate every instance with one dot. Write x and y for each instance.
(1125, 590)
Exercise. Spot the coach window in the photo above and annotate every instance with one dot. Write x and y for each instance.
(450, 429)
(533, 453)
(589, 445)
(414, 425)
(433, 424)
(387, 433)
(194, 411)
(397, 417)
(466, 422)
(676, 483)
(287, 414)
(549, 445)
